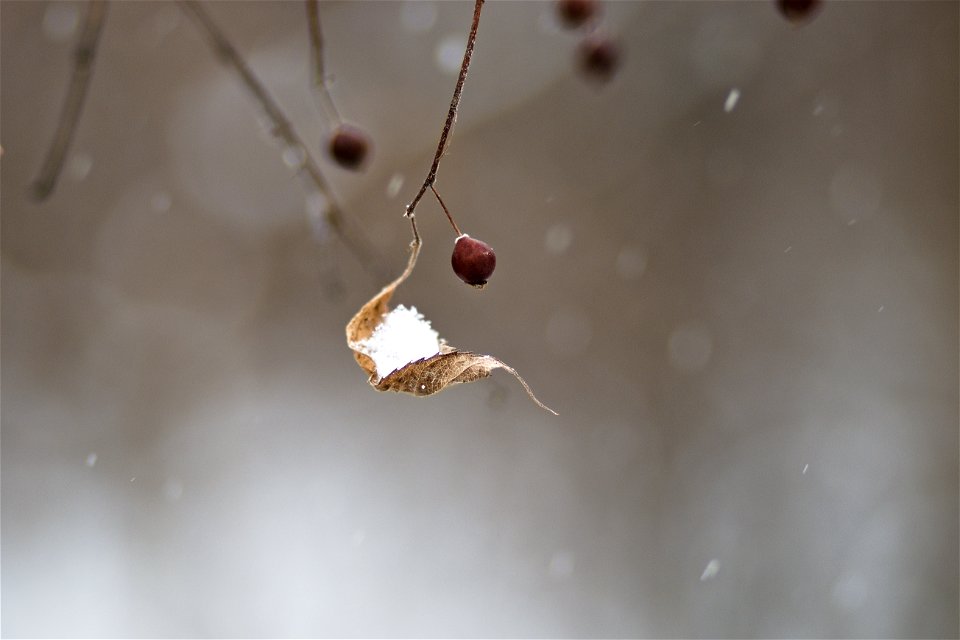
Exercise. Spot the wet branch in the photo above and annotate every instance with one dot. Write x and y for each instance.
(283, 130)
(451, 116)
(84, 56)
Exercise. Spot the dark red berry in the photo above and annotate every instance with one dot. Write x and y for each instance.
(574, 13)
(798, 11)
(599, 56)
(473, 261)
(349, 146)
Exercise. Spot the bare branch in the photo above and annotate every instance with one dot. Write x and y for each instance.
(84, 56)
(451, 114)
(316, 60)
(283, 130)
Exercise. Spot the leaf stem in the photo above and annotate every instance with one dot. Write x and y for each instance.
(283, 130)
(451, 116)
(84, 56)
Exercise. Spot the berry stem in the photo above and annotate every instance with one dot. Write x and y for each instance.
(451, 115)
(84, 56)
(316, 59)
(283, 130)
(446, 211)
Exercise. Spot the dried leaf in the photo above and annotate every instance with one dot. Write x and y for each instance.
(426, 375)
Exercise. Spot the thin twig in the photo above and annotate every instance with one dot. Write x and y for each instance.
(283, 130)
(84, 55)
(316, 60)
(446, 211)
(451, 114)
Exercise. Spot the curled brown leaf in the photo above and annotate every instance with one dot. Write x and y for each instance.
(427, 375)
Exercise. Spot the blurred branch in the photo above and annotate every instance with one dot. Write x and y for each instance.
(84, 56)
(283, 130)
(316, 61)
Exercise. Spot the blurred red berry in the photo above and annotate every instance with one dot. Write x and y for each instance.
(575, 13)
(599, 56)
(798, 11)
(473, 261)
(349, 146)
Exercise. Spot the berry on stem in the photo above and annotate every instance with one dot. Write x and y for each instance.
(349, 146)
(599, 56)
(575, 13)
(473, 260)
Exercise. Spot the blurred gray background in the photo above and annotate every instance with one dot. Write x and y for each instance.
(746, 315)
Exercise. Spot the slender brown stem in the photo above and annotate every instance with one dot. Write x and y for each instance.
(316, 60)
(415, 244)
(283, 130)
(84, 56)
(446, 211)
(451, 114)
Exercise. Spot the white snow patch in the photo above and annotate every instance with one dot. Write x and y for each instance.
(394, 186)
(710, 571)
(403, 337)
(732, 98)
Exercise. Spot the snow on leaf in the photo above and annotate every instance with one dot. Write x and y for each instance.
(403, 336)
(401, 352)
